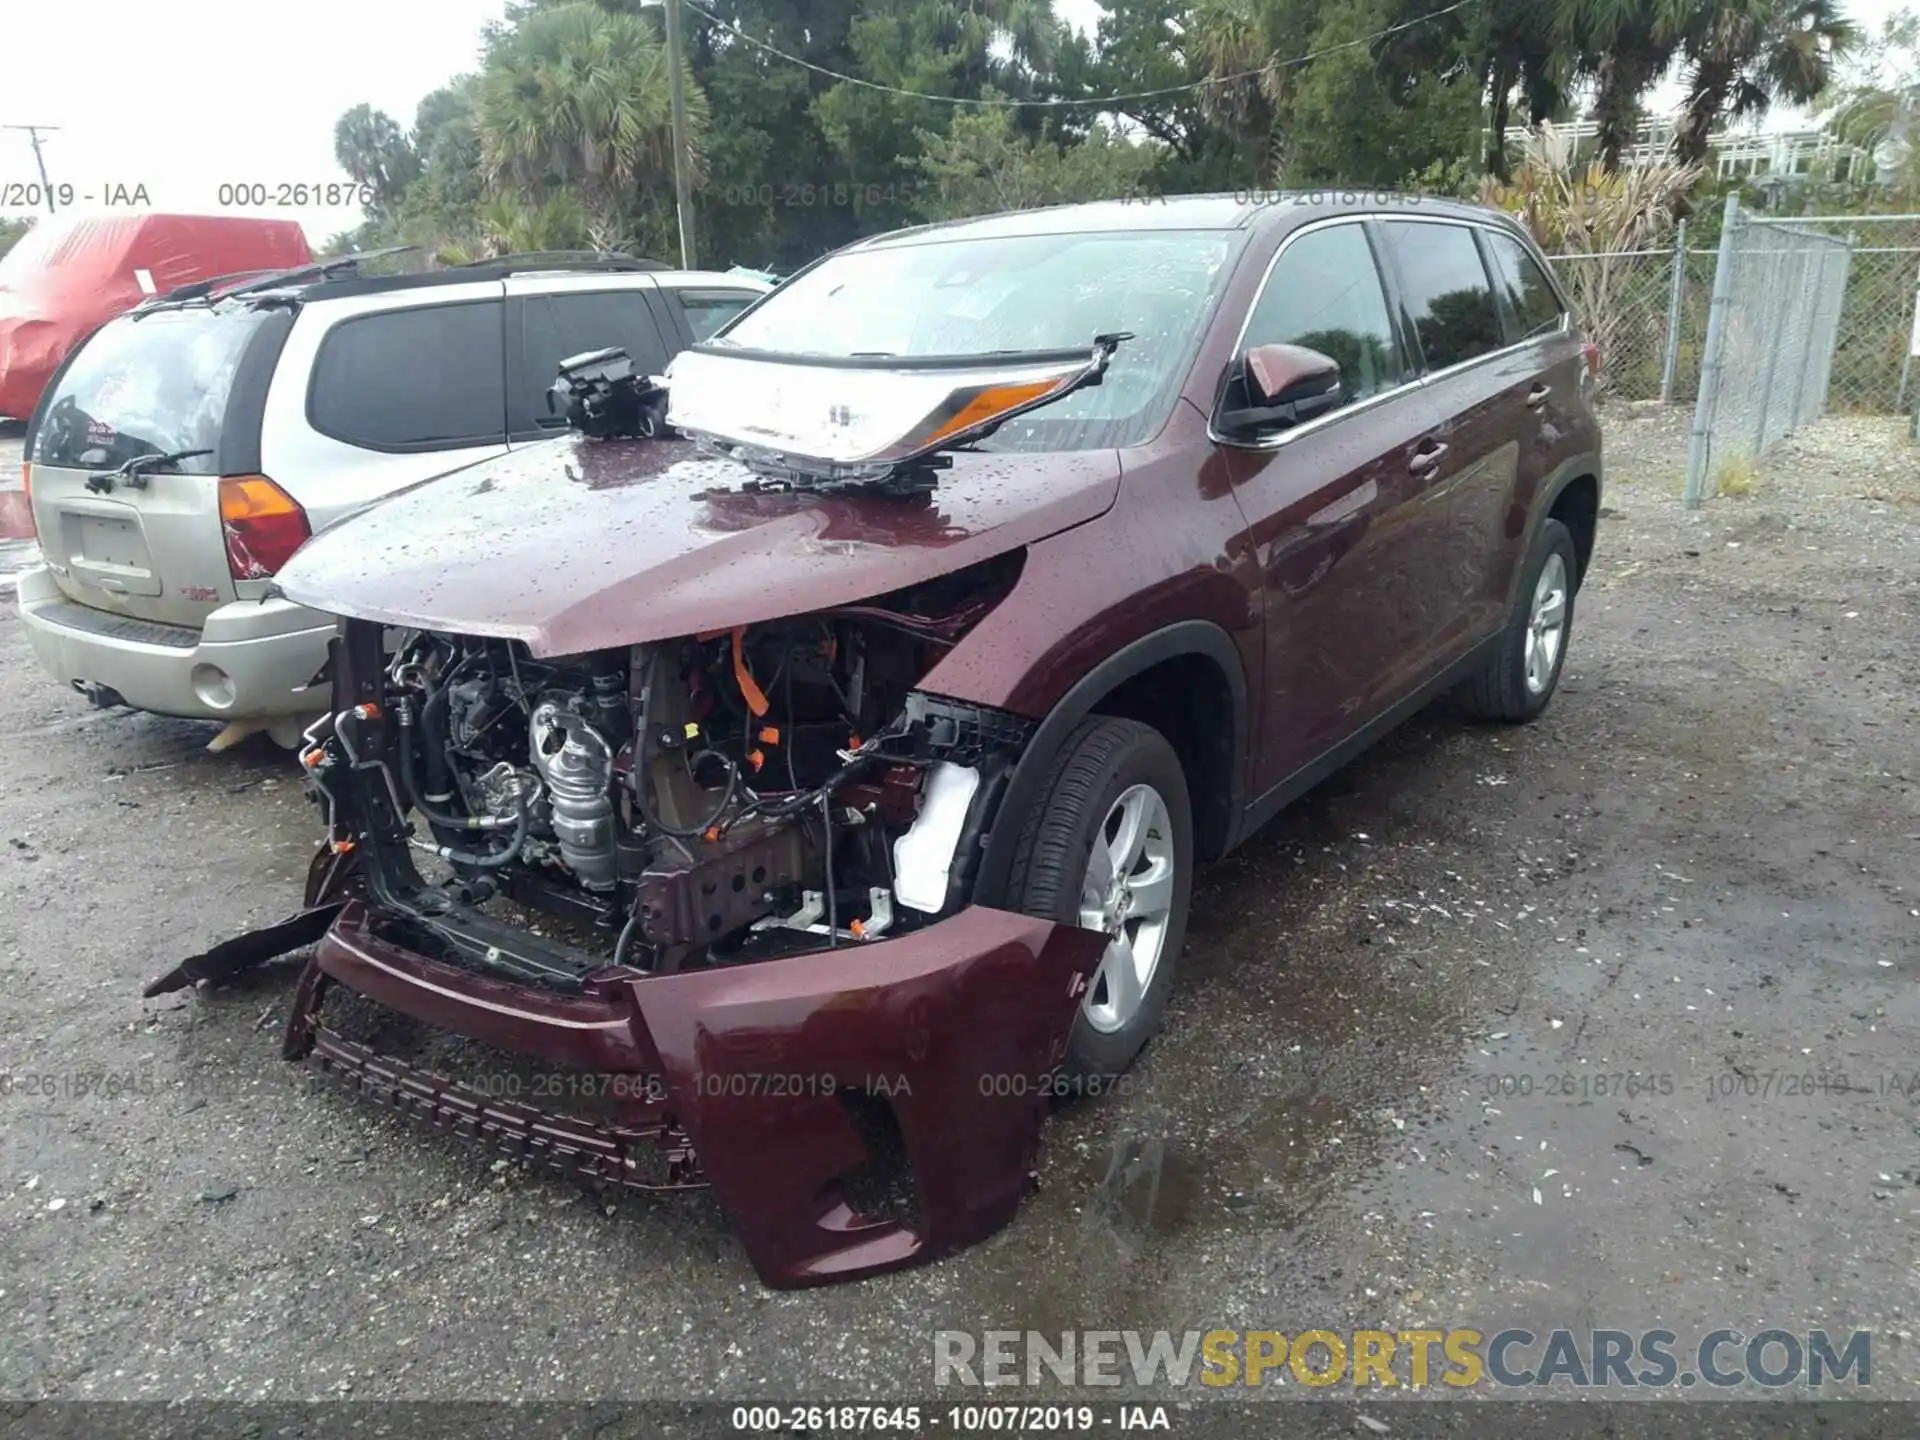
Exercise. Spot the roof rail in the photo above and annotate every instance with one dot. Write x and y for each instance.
(251, 280)
(563, 260)
(194, 289)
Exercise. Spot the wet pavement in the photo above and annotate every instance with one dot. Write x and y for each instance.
(1604, 1022)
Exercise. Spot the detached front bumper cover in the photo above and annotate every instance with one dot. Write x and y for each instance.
(760, 1080)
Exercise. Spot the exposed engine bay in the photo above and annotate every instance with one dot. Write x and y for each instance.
(712, 800)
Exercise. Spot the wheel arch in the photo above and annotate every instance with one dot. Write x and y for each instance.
(1576, 504)
(1169, 679)
(1571, 495)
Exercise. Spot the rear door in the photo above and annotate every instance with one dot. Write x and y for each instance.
(1546, 401)
(550, 319)
(189, 379)
(376, 393)
(1469, 399)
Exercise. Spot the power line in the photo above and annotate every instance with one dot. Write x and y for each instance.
(1105, 102)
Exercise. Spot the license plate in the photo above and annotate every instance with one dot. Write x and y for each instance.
(110, 542)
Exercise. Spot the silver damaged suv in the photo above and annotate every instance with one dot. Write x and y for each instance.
(189, 447)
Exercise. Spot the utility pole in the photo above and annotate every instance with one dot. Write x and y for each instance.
(682, 162)
(33, 134)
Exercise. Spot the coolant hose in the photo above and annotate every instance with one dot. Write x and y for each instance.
(473, 860)
(410, 787)
(433, 728)
(492, 860)
(624, 945)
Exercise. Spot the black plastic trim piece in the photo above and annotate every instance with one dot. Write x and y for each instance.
(238, 448)
(1564, 474)
(962, 732)
(70, 615)
(1188, 637)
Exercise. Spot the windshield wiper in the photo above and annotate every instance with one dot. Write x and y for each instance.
(134, 473)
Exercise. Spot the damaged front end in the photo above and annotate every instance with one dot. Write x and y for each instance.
(727, 877)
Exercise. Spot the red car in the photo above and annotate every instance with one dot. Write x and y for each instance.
(816, 773)
(68, 277)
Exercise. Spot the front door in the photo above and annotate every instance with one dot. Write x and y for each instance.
(1340, 509)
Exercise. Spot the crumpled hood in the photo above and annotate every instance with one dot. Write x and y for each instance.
(574, 544)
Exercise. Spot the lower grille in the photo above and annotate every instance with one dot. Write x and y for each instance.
(617, 1155)
(69, 616)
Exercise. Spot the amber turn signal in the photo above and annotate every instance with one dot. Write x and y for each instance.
(991, 401)
(263, 524)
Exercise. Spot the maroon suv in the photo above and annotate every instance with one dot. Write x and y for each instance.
(801, 768)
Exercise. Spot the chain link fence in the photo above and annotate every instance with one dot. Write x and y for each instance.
(1818, 316)
(1778, 295)
(1870, 376)
(1651, 322)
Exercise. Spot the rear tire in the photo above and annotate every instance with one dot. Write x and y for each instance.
(1520, 680)
(1118, 783)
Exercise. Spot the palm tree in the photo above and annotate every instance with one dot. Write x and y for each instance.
(1737, 58)
(1741, 56)
(1234, 38)
(1523, 55)
(578, 97)
(1625, 47)
(375, 151)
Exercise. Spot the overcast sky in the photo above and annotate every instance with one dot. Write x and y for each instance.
(203, 93)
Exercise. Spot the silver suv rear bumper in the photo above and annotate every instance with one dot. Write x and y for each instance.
(252, 659)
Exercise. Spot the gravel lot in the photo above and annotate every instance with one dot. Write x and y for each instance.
(1700, 865)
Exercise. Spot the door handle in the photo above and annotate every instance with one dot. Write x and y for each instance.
(1424, 460)
(1537, 396)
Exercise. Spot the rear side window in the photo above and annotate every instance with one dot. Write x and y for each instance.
(425, 379)
(157, 385)
(708, 310)
(1324, 293)
(556, 327)
(1536, 308)
(1446, 292)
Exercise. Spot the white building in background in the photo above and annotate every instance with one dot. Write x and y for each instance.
(1750, 154)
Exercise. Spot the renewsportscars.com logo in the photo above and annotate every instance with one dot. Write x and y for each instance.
(1459, 1359)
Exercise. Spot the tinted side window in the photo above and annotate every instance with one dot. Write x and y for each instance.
(1325, 294)
(1536, 307)
(1448, 297)
(555, 327)
(708, 310)
(413, 379)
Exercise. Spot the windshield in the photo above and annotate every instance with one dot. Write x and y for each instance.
(150, 386)
(1017, 293)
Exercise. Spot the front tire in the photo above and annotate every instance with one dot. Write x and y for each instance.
(1109, 846)
(1520, 680)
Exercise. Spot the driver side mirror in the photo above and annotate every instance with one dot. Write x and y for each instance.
(1283, 386)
